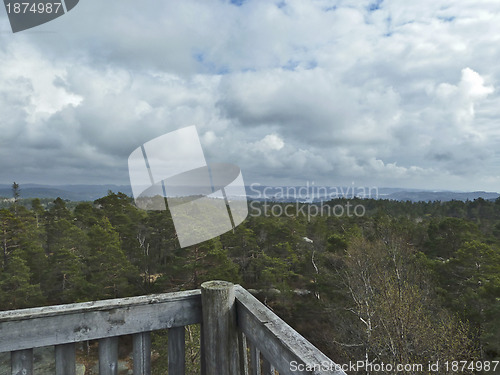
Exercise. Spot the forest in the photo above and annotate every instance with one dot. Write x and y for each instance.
(403, 283)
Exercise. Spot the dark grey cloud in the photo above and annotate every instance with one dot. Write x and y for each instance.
(379, 93)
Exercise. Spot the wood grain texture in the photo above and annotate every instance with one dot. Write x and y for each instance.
(65, 359)
(230, 320)
(141, 353)
(108, 356)
(22, 362)
(176, 351)
(277, 341)
(219, 328)
(56, 325)
(254, 359)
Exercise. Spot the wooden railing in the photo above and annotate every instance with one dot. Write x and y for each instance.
(239, 335)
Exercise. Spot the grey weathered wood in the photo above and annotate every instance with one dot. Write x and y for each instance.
(219, 326)
(277, 341)
(242, 347)
(267, 368)
(176, 351)
(203, 365)
(65, 359)
(108, 356)
(22, 362)
(254, 359)
(222, 337)
(55, 325)
(142, 353)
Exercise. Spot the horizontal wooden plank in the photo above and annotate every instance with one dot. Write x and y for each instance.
(56, 325)
(108, 304)
(289, 352)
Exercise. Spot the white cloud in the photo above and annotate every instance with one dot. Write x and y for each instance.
(472, 85)
(463, 96)
(332, 91)
(270, 142)
(47, 95)
(209, 138)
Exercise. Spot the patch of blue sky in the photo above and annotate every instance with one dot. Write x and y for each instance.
(311, 65)
(199, 57)
(238, 3)
(305, 65)
(291, 65)
(375, 5)
(330, 8)
(222, 70)
(388, 23)
(447, 19)
(209, 66)
(281, 4)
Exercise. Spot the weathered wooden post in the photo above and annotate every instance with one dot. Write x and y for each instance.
(142, 353)
(219, 328)
(22, 362)
(108, 356)
(65, 359)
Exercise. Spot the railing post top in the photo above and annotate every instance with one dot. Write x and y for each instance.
(220, 336)
(217, 285)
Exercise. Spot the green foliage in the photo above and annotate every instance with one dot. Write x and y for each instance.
(448, 235)
(192, 351)
(409, 282)
(336, 243)
(16, 290)
(108, 270)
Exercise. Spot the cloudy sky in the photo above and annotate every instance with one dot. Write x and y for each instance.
(377, 93)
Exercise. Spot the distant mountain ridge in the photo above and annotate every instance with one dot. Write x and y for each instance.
(69, 192)
(257, 192)
(442, 196)
(325, 193)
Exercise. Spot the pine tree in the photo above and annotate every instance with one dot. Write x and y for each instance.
(10, 235)
(109, 272)
(16, 290)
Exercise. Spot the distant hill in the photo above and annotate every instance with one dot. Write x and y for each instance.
(70, 192)
(325, 193)
(442, 196)
(258, 192)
